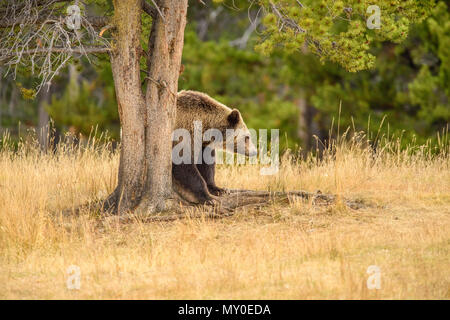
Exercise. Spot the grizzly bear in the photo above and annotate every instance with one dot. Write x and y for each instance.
(194, 179)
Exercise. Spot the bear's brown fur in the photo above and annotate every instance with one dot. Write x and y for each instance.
(195, 182)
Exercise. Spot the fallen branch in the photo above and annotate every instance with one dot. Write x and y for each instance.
(225, 206)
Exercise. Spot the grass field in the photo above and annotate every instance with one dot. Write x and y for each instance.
(296, 251)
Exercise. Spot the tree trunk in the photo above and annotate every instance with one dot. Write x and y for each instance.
(145, 173)
(130, 103)
(43, 124)
(307, 127)
(164, 61)
(303, 123)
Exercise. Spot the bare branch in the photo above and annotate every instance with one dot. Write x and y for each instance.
(242, 41)
(148, 9)
(93, 20)
(286, 21)
(34, 33)
(20, 6)
(98, 22)
(157, 8)
(74, 50)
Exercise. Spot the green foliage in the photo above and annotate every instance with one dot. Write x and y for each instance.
(86, 105)
(27, 94)
(431, 88)
(408, 83)
(336, 30)
(266, 89)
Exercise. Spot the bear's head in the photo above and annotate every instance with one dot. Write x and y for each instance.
(237, 136)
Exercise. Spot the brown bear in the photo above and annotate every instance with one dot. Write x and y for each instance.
(194, 179)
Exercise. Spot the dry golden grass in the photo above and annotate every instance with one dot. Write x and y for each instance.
(296, 251)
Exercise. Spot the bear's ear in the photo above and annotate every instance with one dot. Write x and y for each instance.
(233, 117)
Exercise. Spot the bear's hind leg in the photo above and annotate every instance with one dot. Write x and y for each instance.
(189, 183)
(208, 172)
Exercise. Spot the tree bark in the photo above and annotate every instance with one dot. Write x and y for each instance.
(131, 105)
(145, 174)
(164, 60)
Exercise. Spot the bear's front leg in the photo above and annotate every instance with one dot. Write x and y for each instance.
(189, 183)
(208, 172)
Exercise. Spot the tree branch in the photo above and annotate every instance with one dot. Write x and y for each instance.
(148, 9)
(98, 21)
(93, 20)
(152, 11)
(285, 20)
(78, 50)
(34, 32)
(242, 41)
(37, 3)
